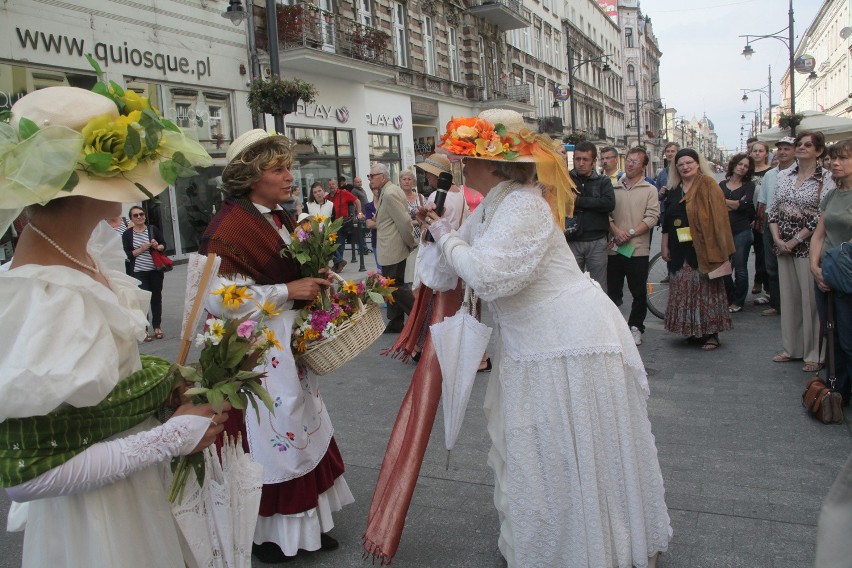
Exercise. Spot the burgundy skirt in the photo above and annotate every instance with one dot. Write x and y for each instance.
(297, 495)
(697, 305)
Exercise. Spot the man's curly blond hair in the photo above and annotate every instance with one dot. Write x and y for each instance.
(246, 169)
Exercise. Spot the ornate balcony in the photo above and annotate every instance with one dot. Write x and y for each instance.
(505, 14)
(512, 97)
(317, 42)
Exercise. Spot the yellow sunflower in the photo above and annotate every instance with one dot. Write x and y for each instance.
(268, 309)
(350, 287)
(270, 337)
(233, 297)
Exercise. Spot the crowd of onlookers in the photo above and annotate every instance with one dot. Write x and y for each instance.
(788, 202)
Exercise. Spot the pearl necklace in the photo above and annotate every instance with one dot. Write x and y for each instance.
(61, 250)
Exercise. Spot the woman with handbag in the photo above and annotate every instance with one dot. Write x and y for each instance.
(577, 481)
(833, 229)
(82, 453)
(793, 218)
(140, 242)
(697, 245)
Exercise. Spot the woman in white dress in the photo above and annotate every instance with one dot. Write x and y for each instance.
(82, 455)
(577, 481)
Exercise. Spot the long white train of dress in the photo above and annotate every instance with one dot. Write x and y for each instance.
(577, 481)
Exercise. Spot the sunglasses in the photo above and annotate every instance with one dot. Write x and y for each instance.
(137, 215)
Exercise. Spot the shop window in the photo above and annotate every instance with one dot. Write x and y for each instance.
(385, 148)
(18, 80)
(320, 154)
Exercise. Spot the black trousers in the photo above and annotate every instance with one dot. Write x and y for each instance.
(403, 299)
(635, 269)
(152, 281)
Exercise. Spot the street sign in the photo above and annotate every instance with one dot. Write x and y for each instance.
(561, 92)
(805, 64)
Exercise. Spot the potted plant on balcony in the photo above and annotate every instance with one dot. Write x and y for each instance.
(369, 42)
(279, 96)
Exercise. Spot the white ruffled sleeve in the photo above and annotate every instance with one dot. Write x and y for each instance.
(68, 339)
(276, 294)
(505, 258)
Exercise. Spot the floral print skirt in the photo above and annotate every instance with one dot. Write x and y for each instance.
(697, 305)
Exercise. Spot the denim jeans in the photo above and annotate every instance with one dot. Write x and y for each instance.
(842, 337)
(736, 285)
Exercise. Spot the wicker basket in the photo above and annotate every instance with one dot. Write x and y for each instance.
(363, 330)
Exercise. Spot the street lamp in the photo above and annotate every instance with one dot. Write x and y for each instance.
(605, 69)
(236, 14)
(789, 42)
(768, 92)
(639, 105)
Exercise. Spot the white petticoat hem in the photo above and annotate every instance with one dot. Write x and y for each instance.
(302, 531)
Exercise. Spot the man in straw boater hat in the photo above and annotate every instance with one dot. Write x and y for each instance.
(81, 449)
(577, 481)
(302, 467)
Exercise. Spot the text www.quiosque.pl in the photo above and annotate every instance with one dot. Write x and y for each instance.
(113, 53)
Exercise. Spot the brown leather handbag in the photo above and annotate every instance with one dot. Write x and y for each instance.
(820, 397)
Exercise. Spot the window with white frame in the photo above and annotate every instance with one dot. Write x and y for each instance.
(183, 114)
(453, 54)
(537, 43)
(399, 41)
(428, 46)
(365, 15)
(482, 70)
(527, 47)
(541, 108)
(547, 57)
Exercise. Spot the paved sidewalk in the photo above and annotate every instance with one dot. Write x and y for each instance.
(745, 469)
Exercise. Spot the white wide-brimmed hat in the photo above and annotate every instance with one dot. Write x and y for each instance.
(496, 134)
(248, 140)
(63, 116)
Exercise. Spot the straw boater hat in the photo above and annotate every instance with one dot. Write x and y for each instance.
(66, 141)
(435, 164)
(249, 140)
(501, 135)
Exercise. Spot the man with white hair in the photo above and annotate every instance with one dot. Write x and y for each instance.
(394, 241)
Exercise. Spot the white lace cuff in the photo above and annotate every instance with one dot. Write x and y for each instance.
(107, 462)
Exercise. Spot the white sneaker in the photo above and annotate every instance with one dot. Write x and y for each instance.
(637, 335)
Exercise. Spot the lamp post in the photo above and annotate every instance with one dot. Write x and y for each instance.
(605, 68)
(789, 42)
(767, 92)
(754, 121)
(236, 14)
(639, 105)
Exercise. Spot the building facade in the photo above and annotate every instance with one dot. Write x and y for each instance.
(643, 106)
(828, 39)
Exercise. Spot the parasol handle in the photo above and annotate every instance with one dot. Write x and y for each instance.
(469, 302)
(186, 341)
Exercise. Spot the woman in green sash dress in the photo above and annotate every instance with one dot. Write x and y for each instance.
(81, 452)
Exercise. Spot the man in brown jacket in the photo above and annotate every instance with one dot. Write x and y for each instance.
(636, 212)
(394, 241)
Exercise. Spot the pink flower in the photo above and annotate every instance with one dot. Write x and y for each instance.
(246, 329)
(361, 287)
(302, 235)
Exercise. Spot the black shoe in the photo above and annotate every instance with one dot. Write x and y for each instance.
(270, 553)
(487, 368)
(327, 542)
(393, 328)
(416, 356)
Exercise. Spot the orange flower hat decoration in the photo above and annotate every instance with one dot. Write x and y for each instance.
(493, 139)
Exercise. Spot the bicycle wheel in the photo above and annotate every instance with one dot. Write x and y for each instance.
(658, 286)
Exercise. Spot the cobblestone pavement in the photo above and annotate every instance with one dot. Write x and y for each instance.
(745, 469)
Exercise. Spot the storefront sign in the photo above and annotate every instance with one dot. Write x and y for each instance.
(805, 63)
(106, 54)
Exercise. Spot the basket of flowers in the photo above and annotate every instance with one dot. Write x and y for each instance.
(343, 319)
(341, 322)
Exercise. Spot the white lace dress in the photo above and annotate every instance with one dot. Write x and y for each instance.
(577, 481)
(73, 340)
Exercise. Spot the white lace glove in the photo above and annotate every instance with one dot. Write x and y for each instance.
(444, 225)
(107, 462)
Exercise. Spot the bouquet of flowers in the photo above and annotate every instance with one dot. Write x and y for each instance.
(313, 244)
(319, 321)
(231, 350)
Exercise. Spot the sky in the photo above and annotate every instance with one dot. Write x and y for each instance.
(702, 69)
